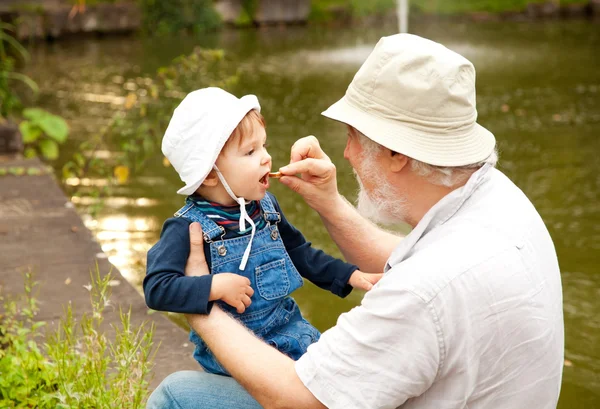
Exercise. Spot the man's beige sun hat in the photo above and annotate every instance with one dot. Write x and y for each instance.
(416, 97)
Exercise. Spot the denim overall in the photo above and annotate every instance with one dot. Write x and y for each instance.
(273, 315)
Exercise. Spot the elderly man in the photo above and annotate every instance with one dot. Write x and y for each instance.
(469, 311)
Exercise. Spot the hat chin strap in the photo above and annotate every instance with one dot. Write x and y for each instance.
(243, 216)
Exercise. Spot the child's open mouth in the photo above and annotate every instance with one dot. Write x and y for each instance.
(265, 180)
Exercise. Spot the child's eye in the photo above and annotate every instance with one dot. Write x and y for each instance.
(250, 152)
(265, 145)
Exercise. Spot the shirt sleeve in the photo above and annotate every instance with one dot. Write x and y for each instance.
(323, 270)
(166, 288)
(379, 355)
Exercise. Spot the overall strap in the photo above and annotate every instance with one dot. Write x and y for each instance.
(210, 229)
(269, 213)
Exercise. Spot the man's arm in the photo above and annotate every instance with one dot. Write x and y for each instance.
(378, 355)
(267, 374)
(318, 186)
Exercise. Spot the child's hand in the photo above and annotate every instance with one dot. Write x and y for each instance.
(364, 281)
(234, 289)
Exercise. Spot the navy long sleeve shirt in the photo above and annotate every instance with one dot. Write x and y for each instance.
(166, 287)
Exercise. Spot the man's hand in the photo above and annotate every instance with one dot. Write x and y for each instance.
(364, 281)
(317, 183)
(234, 289)
(196, 262)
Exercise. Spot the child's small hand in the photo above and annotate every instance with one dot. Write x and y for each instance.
(234, 289)
(364, 281)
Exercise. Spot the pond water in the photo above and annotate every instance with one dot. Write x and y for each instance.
(538, 91)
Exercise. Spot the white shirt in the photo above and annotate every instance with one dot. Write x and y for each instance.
(467, 315)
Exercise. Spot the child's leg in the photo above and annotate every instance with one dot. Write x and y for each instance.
(200, 390)
(295, 336)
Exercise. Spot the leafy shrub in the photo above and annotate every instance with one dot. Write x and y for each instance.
(42, 133)
(79, 366)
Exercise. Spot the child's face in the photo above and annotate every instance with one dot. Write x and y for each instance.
(246, 166)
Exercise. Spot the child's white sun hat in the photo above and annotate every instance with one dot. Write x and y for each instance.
(198, 130)
(196, 134)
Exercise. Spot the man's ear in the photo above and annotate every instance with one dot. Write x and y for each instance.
(211, 180)
(398, 161)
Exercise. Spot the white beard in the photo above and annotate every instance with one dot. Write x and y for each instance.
(386, 206)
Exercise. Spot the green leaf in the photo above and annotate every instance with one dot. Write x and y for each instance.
(24, 79)
(35, 114)
(15, 44)
(29, 131)
(55, 127)
(49, 149)
(30, 153)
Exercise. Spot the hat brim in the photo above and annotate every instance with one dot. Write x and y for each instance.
(466, 148)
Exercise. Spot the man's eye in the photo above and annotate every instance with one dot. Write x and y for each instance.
(250, 152)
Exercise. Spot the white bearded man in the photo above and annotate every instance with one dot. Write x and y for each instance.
(469, 311)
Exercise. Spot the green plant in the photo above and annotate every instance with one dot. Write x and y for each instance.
(42, 133)
(27, 375)
(136, 131)
(79, 366)
(9, 47)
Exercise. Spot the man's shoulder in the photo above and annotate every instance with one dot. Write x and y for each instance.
(433, 265)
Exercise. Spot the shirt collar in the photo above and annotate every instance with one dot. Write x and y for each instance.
(439, 214)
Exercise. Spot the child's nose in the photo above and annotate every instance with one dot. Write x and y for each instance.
(266, 158)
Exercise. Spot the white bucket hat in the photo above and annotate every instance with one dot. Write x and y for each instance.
(198, 130)
(416, 97)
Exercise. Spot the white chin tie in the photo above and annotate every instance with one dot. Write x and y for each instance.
(243, 217)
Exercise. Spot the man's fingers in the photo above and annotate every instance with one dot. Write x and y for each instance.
(314, 167)
(196, 262)
(307, 147)
(196, 239)
(294, 183)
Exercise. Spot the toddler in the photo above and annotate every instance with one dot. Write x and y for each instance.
(217, 144)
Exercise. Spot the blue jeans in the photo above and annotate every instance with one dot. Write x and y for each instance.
(200, 390)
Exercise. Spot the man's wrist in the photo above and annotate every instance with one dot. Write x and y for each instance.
(333, 207)
(202, 323)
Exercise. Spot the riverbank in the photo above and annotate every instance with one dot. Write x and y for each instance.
(52, 19)
(40, 231)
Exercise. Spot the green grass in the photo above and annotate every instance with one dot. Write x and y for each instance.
(78, 366)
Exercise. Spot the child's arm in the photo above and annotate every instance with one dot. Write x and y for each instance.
(166, 287)
(321, 269)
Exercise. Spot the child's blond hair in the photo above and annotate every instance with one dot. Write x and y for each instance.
(245, 127)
